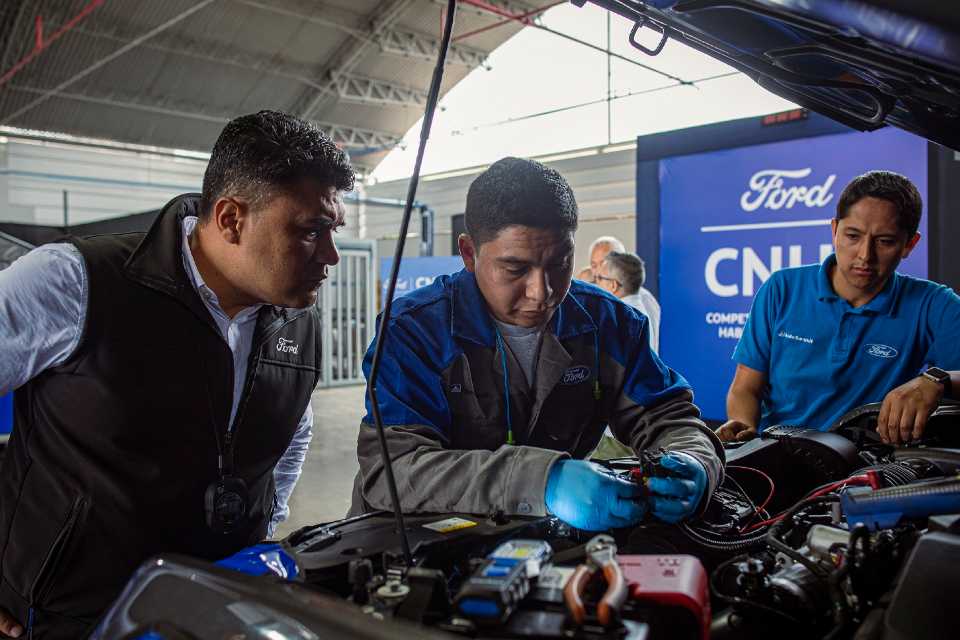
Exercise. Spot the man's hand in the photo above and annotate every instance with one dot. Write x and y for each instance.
(734, 430)
(9, 625)
(676, 498)
(904, 412)
(743, 405)
(587, 496)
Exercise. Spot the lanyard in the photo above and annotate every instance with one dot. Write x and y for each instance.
(597, 393)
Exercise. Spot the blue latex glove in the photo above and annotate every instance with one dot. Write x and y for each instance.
(675, 499)
(589, 497)
(260, 560)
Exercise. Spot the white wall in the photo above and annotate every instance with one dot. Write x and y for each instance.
(100, 183)
(106, 183)
(603, 181)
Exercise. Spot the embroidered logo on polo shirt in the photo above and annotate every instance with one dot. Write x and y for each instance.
(575, 375)
(285, 345)
(790, 336)
(881, 351)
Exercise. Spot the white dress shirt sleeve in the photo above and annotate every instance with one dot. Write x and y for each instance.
(287, 471)
(43, 305)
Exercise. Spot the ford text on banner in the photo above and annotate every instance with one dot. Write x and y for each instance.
(731, 218)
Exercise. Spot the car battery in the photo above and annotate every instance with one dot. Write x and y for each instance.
(492, 592)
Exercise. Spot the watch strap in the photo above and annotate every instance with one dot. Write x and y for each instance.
(938, 375)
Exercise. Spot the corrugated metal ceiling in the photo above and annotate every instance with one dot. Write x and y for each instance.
(171, 73)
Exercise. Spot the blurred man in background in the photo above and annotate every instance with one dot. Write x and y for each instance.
(623, 275)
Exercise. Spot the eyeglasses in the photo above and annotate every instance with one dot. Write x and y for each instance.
(597, 278)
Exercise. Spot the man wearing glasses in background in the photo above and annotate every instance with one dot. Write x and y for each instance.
(623, 275)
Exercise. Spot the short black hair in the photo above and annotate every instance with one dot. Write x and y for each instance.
(885, 185)
(258, 153)
(518, 191)
(628, 269)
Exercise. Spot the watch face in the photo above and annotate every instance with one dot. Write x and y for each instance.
(937, 374)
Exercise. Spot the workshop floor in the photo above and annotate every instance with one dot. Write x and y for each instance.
(323, 493)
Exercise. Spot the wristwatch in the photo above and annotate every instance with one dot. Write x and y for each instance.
(938, 375)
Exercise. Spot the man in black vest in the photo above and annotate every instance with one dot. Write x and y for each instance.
(163, 380)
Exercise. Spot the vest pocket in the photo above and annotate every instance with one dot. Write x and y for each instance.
(54, 559)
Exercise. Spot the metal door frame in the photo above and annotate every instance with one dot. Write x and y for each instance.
(340, 295)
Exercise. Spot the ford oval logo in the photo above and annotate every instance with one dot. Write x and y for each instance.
(881, 351)
(575, 375)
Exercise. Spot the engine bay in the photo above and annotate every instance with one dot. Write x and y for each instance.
(812, 534)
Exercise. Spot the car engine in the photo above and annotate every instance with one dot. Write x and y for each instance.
(810, 535)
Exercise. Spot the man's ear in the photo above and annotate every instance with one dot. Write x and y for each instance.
(230, 218)
(468, 251)
(834, 225)
(910, 245)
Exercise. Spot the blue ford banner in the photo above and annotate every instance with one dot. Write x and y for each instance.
(731, 218)
(416, 273)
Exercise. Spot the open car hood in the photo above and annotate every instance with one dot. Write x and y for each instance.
(863, 63)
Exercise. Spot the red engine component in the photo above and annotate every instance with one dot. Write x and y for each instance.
(678, 581)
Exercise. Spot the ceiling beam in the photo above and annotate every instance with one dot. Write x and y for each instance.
(343, 135)
(335, 81)
(349, 87)
(361, 90)
(160, 105)
(176, 44)
(355, 137)
(353, 51)
(414, 45)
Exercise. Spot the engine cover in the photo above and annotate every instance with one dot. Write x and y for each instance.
(797, 460)
(924, 603)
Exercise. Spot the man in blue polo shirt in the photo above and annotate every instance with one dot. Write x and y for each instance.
(823, 339)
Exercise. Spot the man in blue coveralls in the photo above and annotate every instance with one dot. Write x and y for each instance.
(498, 380)
(824, 339)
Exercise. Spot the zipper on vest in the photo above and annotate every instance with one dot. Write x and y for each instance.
(55, 555)
(256, 355)
(227, 453)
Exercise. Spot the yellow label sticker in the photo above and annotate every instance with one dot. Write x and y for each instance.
(449, 525)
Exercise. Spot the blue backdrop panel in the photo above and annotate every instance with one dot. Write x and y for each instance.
(416, 273)
(729, 218)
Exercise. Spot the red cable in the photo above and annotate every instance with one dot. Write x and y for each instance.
(869, 478)
(773, 487)
(519, 17)
(42, 43)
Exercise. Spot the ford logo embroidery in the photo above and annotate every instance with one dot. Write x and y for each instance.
(881, 351)
(575, 375)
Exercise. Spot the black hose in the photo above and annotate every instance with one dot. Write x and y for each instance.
(432, 98)
(774, 541)
(740, 600)
(709, 541)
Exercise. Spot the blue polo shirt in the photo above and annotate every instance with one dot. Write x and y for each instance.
(823, 357)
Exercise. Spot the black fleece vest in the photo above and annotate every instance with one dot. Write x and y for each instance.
(112, 451)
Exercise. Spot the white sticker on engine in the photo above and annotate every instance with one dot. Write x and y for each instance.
(449, 525)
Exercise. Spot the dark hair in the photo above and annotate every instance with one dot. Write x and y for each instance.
(628, 269)
(517, 191)
(258, 153)
(885, 185)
